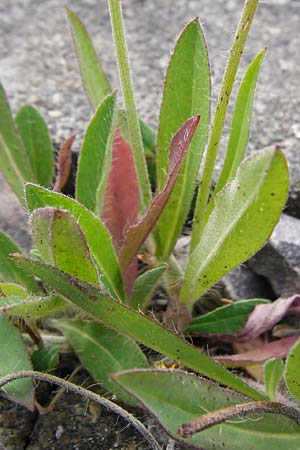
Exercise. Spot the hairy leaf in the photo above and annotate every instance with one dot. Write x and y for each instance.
(137, 233)
(241, 122)
(46, 359)
(34, 132)
(95, 156)
(186, 93)
(96, 234)
(256, 195)
(13, 357)
(102, 351)
(273, 371)
(14, 162)
(175, 397)
(32, 307)
(134, 325)
(64, 242)
(7, 289)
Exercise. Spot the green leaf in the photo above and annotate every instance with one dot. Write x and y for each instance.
(241, 122)
(245, 213)
(175, 397)
(8, 269)
(64, 244)
(14, 358)
(31, 307)
(144, 287)
(46, 359)
(273, 371)
(14, 163)
(186, 93)
(292, 371)
(95, 156)
(226, 319)
(137, 326)
(34, 132)
(96, 234)
(93, 77)
(7, 289)
(102, 351)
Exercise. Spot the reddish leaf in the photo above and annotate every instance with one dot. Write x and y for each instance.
(137, 233)
(276, 349)
(262, 318)
(121, 200)
(63, 164)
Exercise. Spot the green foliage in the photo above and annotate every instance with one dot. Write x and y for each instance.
(88, 248)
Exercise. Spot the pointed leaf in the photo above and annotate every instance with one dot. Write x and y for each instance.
(121, 195)
(137, 233)
(14, 162)
(226, 319)
(135, 325)
(65, 242)
(95, 156)
(34, 132)
(244, 216)
(31, 307)
(7, 289)
(102, 351)
(46, 359)
(273, 371)
(241, 122)
(14, 358)
(275, 349)
(96, 234)
(144, 287)
(175, 397)
(8, 269)
(186, 93)
(93, 77)
(292, 371)
(63, 164)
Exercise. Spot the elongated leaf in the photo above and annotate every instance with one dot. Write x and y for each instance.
(138, 233)
(273, 371)
(186, 93)
(63, 164)
(102, 351)
(95, 156)
(96, 234)
(241, 122)
(244, 216)
(292, 371)
(93, 77)
(175, 397)
(144, 287)
(259, 355)
(8, 269)
(14, 162)
(13, 357)
(226, 319)
(134, 325)
(32, 307)
(7, 289)
(64, 241)
(34, 132)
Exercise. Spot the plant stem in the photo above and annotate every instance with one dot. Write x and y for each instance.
(118, 30)
(86, 394)
(219, 118)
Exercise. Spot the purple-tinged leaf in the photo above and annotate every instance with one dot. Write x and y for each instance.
(277, 349)
(63, 164)
(263, 318)
(137, 233)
